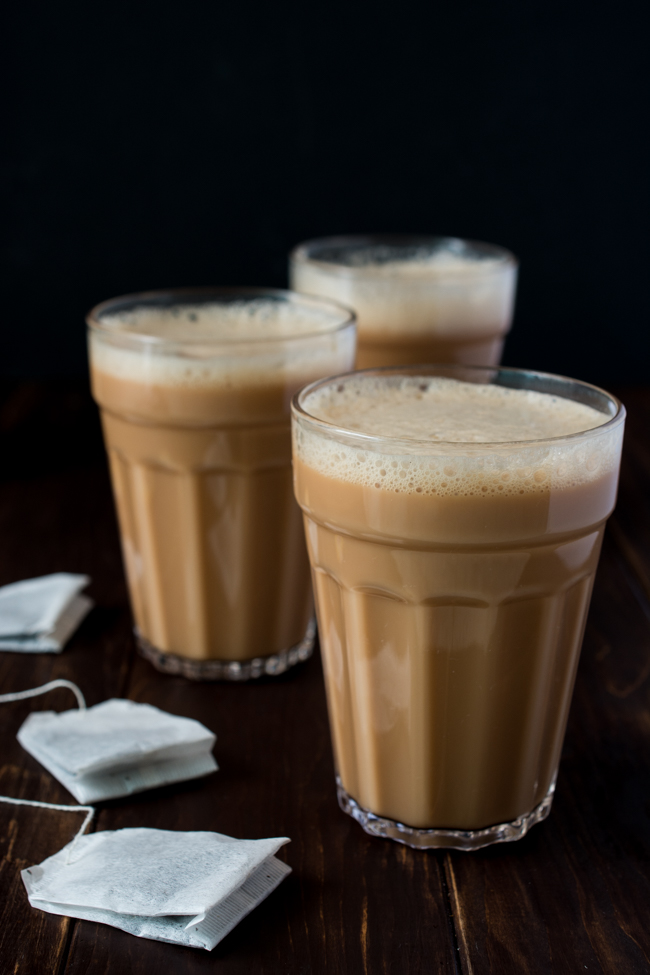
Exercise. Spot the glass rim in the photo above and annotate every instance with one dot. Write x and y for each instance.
(168, 297)
(299, 411)
(503, 258)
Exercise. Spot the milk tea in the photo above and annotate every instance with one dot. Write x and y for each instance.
(194, 393)
(453, 533)
(417, 300)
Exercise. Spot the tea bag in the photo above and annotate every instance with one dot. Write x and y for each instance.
(183, 888)
(115, 748)
(40, 615)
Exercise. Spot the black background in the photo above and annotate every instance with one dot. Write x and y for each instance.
(154, 144)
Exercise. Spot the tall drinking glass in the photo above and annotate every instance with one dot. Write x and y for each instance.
(194, 388)
(417, 299)
(454, 518)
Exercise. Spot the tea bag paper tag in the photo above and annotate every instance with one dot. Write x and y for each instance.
(40, 615)
(183, 888)
(117, 748)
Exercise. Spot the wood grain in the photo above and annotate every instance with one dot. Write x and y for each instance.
(55, 514)
(571, 897)
(338, 911)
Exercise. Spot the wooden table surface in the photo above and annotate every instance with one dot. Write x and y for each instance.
(573, 896)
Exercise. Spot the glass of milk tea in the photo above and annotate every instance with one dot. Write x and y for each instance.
(194, 389)
(417, 299)
(454, 518)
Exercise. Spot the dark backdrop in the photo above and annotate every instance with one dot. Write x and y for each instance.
(154, 144)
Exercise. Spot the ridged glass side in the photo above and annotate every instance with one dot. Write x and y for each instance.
(212, 540)
(449, 690)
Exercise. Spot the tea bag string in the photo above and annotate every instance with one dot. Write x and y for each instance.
(89, 810)
(36, 691)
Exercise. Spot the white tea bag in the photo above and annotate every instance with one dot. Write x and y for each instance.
(117, 748)
(40, 615)
(184, 888)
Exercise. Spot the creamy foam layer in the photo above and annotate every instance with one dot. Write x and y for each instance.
(443, 409)
(226, 344)
(234, 321)
(392, 261)
(464, 437)
(445, 291)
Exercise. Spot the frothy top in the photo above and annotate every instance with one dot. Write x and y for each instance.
(452, 437)
(447, 287)
(446, 410)
(439, 255)
(210, 322)
(221, 343)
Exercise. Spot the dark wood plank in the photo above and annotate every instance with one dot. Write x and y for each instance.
(352, 904)
(573, 896)
(62, 520)
(30, 941)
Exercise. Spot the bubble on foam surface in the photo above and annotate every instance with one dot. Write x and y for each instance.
(442, 409)
(443, 254)
(458, 462)
(232, 321)
(223, 343)
(443, 291)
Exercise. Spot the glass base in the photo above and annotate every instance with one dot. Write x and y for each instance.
(272, 666)
(449, 839)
